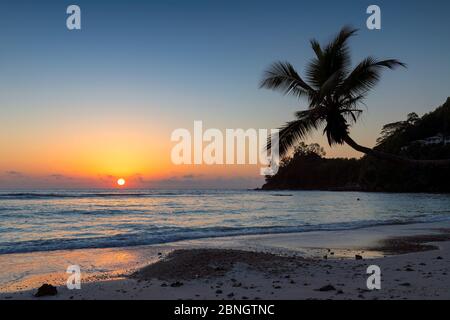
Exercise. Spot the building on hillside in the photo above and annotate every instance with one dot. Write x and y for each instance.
(437, 139)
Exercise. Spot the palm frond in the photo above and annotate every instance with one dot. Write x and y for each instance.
(329, 86)
(283, 76)
(315, 45)
(352, 115)
(350, 101)
(295, 131)
(335, 57)
(366, 75)
(342, 37)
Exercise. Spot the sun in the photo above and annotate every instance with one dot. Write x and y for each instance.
(121, 182)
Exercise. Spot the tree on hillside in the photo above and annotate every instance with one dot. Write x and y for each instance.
(390, 129)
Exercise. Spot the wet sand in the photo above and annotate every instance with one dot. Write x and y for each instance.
(414, 261)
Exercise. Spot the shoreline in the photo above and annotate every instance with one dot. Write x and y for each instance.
(298, 266)
(259, 234)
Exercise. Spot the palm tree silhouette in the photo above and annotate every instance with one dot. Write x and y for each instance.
(334, 92)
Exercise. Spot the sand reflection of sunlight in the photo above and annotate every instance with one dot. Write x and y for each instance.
(30, 270)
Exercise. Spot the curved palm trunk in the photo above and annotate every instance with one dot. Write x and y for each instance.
(396, 158)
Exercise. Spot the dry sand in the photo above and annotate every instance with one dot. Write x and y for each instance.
(414, 261)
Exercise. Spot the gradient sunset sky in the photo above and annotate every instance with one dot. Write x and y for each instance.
(83, 108)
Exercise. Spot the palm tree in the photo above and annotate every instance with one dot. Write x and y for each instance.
(334, 92)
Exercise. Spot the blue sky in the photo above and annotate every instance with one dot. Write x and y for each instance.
(172, 62)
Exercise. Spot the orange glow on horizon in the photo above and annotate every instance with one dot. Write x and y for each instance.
(79, 152)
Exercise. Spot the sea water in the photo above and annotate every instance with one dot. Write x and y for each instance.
(73, 219)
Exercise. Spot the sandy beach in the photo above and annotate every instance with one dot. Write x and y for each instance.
(414, 263)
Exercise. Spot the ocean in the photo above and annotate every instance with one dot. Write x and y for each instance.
(49, 220)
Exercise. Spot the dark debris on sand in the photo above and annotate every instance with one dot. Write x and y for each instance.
(203, 263)
(46, 290)
(326, 288)
(419, 243)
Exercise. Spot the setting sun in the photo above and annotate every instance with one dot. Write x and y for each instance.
(121, 182)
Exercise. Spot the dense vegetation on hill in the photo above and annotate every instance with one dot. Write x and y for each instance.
(307, 169)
